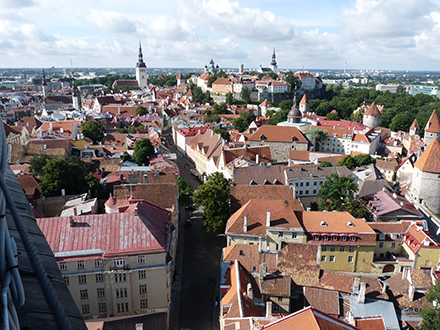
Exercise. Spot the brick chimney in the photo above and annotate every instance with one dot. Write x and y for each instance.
(268, 218)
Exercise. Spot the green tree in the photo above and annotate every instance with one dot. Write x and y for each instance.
(244, 94)
(401, 122)
(214, 197)
(211, 79)
(273, 75)
(38, 162)
(294, 81)
(325, 164)
(318, 135)
(362, 160)
(141, 111)
(143, 149)
(242, 123)
(93, 130)
(357, 116)
(223, 133)
(332, 116)
(358, 209)
(71, 174)
(185, 192)
(229, 98)
(337, 192)
(348, 162)
(286, 105)
(431, 314)
(129, 129)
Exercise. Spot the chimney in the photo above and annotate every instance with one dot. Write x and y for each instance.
(72, 222)
(361, 297)
(263, 270)
(290, 162)
(294, 192)
(119, 109)
(250, 291)
(245, 223)
(269, 309)
(139, 326)
(350, 318)
(404, 273)
(411, 291)
(384, 287)
(268, 219)
(260, 245)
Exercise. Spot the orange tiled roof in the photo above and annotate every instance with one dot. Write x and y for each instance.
(304, 100)
(433, 124)
(281, 215)
(337, 222)
(249, 257)
(372, 110)
(430, 159)
(415, 125)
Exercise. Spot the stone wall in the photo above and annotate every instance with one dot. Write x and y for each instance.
(280, 150)
(419, 193)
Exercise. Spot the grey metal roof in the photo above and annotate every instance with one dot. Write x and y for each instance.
(373, 307)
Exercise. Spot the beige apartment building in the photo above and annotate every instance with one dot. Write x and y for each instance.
(114, 264)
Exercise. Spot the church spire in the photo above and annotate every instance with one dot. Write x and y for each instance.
(140, 63)
(44, 83)
(274, 58)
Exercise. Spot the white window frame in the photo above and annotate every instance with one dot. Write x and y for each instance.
(332, 259)
(80, 264)
(98, 263)
(63, 266)
(350, 259)
(119, 262)
(141, 260)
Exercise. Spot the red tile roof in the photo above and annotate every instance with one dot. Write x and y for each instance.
(304, 100)
(249, 257)
(324, 300)
(415, 125)
(372, 110)
(114, 234)
(430, 159)
(433, 124)
(370, 323)
(278, 134)
(311, 319)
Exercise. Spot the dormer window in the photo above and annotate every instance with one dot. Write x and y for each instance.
(343, 238)
(323, 223)
(381, 237)
(325, 237)
(316, 237)
(334, 238)
(350, 224)
(353, 238)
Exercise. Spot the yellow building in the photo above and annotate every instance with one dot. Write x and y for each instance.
(222, 86)
(346, 243)
(421, 248)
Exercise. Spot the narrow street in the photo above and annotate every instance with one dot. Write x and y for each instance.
(196, 285)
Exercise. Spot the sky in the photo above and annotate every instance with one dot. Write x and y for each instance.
(313, 34)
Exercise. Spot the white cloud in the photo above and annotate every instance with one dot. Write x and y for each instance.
(222, 17)
(7, 4)
(111, 22)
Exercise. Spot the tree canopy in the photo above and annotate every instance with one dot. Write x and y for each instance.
(318, 135)
(336, 192)
(185, 192)
(294, 81)
(214, 197)
(359, 160)
(223, 133)
(244, 94)
(93, 130)
(229, 98)
(431, 314)
(143, 149)
(141, 111)
(71, 174)
(242, 123)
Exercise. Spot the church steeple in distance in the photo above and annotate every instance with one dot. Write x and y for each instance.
(140, 63)
(274, 58)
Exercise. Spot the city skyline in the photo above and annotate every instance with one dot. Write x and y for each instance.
(367, 34)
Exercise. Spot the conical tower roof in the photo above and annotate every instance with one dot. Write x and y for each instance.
(304, 100)
(433, 124)
(430, 159)
(415, 125)
(373, 110)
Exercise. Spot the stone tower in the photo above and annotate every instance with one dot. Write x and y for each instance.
(75, 102)
(44, 86)
(372, 116)
(432, 128)
(414, 129)
(273, 63)
(180, 80)
(141, 70)
(304, 105)
(425, 185)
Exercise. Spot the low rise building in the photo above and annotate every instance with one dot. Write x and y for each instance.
(114, 264)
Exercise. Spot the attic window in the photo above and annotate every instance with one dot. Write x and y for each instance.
(241, 253)
(316, 237)
(350, 224)
(381, 237)
(323, 224)
(325, 237)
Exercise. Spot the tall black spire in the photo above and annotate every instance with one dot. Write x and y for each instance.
(140, 63)
(44, 83)
(274, 61)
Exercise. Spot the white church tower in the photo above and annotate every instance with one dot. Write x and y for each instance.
(141, 70)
